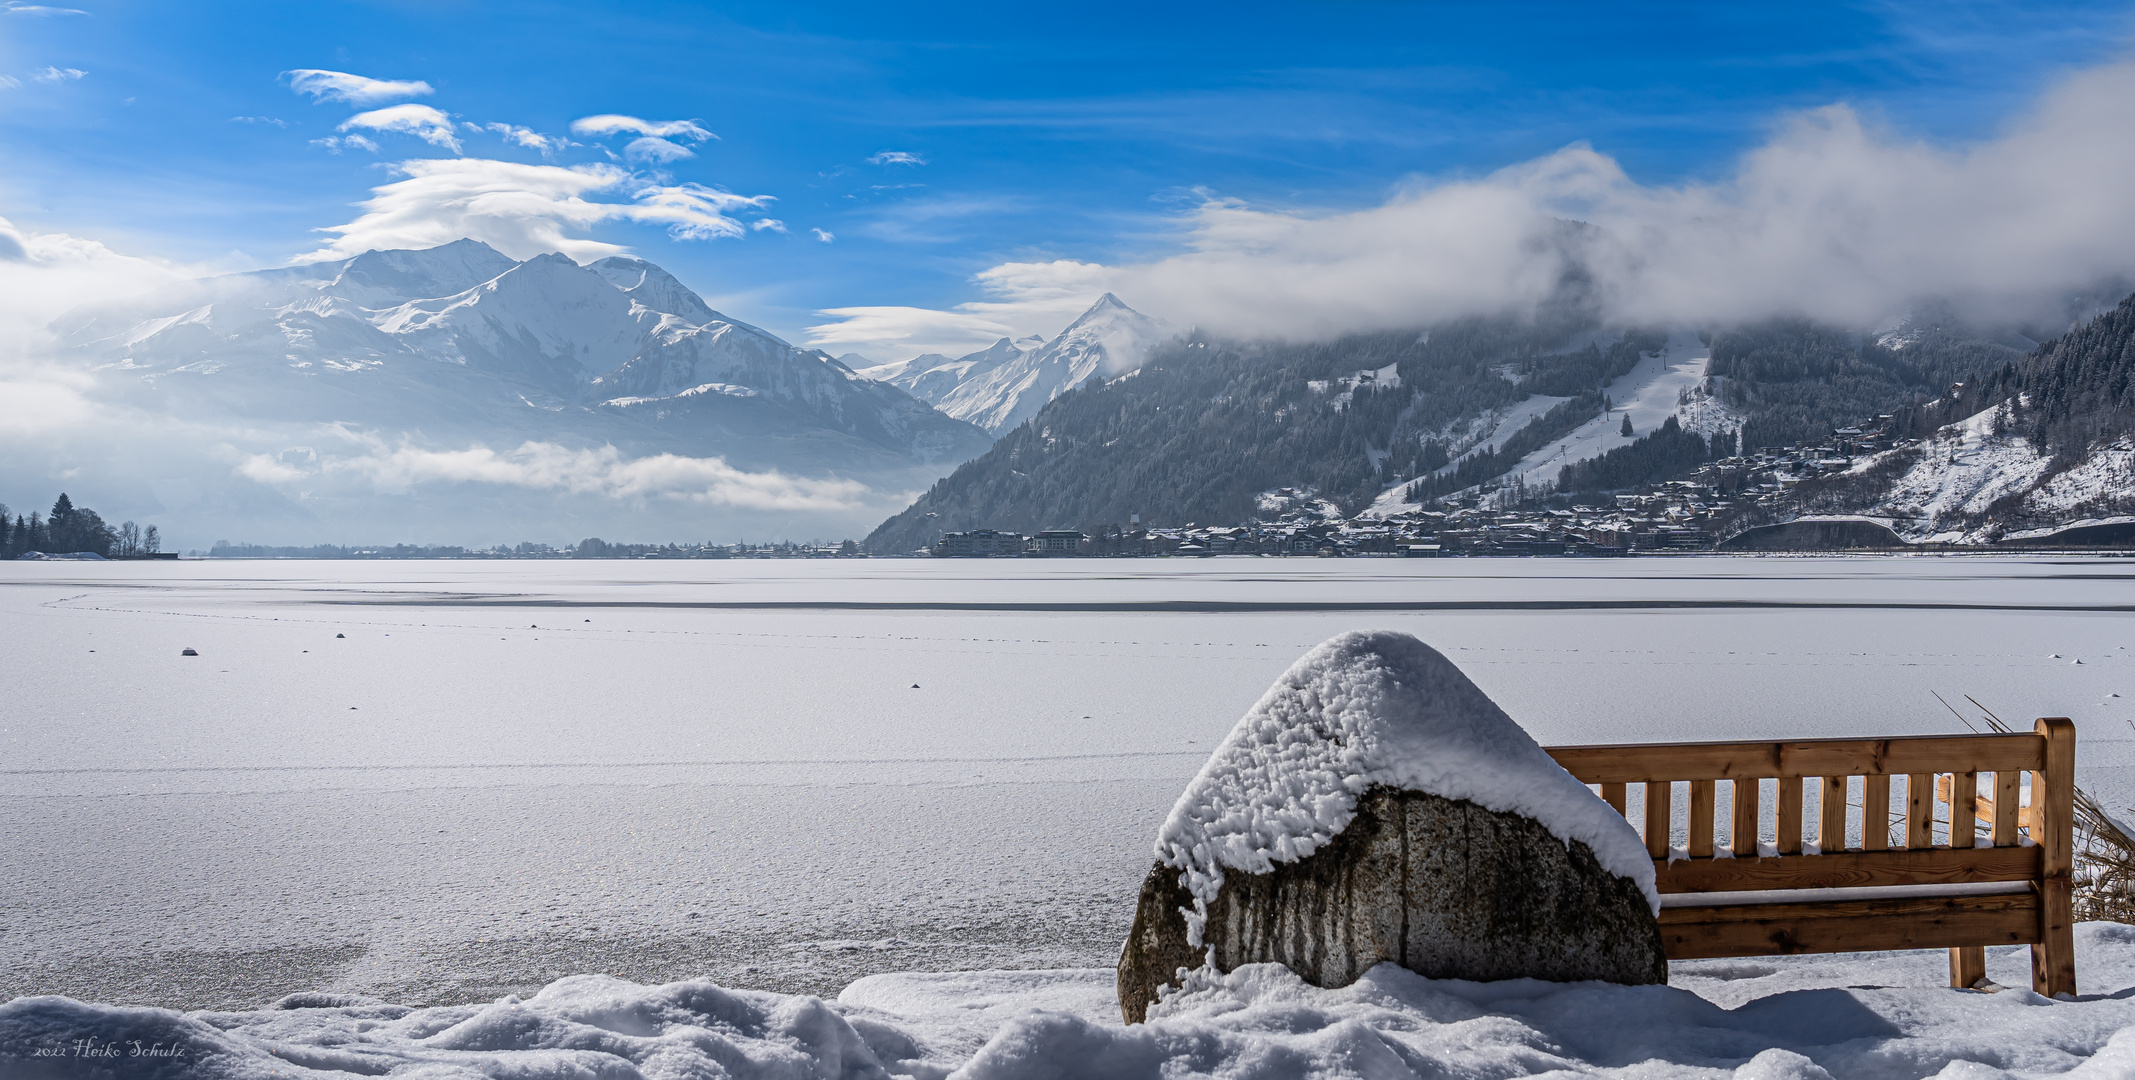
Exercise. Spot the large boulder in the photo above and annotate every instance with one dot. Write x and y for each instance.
(1377, 806)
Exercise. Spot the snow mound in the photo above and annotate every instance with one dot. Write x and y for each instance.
(1865, 1016)
(1363, 709)
(582, 1026)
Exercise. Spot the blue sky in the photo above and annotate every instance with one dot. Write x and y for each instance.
(935, 142)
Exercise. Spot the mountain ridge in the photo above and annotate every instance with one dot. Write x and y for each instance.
(1006, 383)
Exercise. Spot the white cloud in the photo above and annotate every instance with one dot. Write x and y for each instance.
(1036, 298)
(334, 144)
(527, 137)
(421, 121)
(896, 157)
(58, 75)
(9, 82)
(649, 148)
(352, 89)
(259, 120)
(14, 7)
(524, 210)
(824, 235)
(1832, 217)
(773, 224)
(693, 211)
(548, 467)
(613, 124)
(44, 274)
(907, 331)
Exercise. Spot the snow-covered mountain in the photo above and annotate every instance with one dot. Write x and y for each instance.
(616, 350)
(1004, 384)
(2030, 446)
(460, 346)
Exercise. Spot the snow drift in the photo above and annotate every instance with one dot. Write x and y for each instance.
(1783, 1018)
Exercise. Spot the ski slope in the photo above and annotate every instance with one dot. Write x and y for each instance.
(1648, 394)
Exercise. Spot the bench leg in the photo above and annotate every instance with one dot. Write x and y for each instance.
(2053, 959)
(1968, 965)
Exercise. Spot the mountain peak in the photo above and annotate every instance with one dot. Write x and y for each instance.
(1109, 307)
(412, 273)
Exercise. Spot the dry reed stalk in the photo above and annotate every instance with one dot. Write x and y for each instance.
(2104, 848)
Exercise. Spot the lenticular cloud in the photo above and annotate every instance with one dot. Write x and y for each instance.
(526, 210)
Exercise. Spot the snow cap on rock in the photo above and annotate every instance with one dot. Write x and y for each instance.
(1369, 708)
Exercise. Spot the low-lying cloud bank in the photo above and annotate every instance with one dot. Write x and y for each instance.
(542, 466)
(43, 274)
(1834, 217)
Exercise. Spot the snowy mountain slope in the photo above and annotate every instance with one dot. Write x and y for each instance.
(1666, 384)
(1006, 383)
(932, 377)
(2043, 441)
(1668, 381)
(464, 339)
(1976, 481)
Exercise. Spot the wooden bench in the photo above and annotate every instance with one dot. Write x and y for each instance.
(1825, 887)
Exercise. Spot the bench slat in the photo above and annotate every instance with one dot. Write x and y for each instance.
(1746, 818)
(1852, 926)
(1789, 833)
(1875, 813)
(1920, 810)
(1639, 762)
(2003, 811)
(1921, 866)
(1831, 809)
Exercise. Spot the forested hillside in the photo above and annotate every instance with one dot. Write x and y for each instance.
(1207, 425)
(2037, 442)
(1795, 379)
(2066, 395)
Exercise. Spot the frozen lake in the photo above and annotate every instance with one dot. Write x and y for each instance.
(788, 774)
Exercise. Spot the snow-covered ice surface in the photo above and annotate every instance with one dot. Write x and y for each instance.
(1365, 709)
(1875, 1016)
(478, 791)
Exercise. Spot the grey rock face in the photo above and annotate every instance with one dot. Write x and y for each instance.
(1441, 886)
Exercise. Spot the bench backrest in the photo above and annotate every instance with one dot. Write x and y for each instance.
(1953, 899)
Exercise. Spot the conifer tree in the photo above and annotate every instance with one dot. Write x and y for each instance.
(1627, 432)
(59, 525)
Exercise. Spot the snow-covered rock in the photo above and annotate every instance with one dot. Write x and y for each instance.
(1365, 709)
(1376, 805)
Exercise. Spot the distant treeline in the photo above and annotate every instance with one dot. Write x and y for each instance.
(69, 529)
(590, 548)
